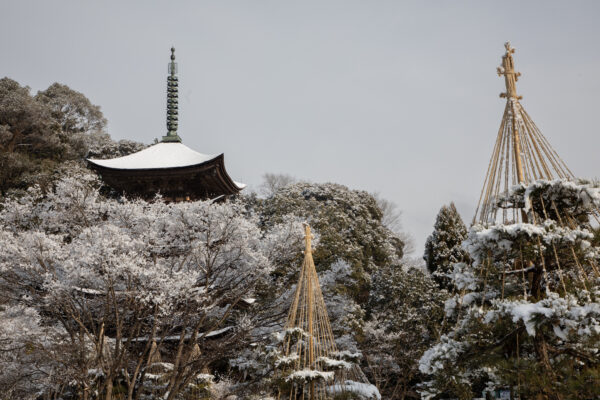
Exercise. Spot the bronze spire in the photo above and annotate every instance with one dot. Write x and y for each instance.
(172, 102)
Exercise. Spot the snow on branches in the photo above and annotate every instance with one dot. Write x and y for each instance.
(527, 305)
(103, 273)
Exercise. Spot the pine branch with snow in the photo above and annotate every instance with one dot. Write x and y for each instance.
(526, 308)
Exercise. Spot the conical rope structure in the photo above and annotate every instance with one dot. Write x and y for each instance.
(521, 154)
(157, 374)
(532, 240)
(312, 366)
(523, 157)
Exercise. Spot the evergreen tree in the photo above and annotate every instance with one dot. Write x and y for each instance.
(29, 138)
(40, 133)
(528, 311)
(348, 224)
(355, 255)
(406, 310)
(71, 109)
(444, 246)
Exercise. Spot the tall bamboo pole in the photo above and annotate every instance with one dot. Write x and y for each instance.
(510, 79)
(311, 350)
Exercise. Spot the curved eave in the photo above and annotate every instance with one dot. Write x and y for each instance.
(228, 185)
(230, 182)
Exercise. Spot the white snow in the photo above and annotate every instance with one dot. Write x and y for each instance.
(162, 365)
(443, 352)
(161, 155)
(450, 306)
(526, 312)
(286, 360)
(187, 336)
(364, 390)
(347, 355)
(309, 375)
(87, 290)
(336, 364)
(215, 333)
(205, 377)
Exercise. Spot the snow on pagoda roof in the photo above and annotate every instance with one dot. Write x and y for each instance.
(160, 155)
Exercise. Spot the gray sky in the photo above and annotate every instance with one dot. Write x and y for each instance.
(396, 97)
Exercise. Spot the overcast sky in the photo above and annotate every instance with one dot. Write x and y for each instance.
(394, 97)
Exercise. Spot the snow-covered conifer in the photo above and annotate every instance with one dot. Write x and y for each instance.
(406, 313)
(528, 307)
(443, 247)
(349, 224)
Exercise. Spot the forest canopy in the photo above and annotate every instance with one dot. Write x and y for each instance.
(95, 287)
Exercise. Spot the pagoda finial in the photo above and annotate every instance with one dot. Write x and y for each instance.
(172, 102)
(510, 75)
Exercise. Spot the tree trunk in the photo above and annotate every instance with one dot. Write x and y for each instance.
(109, 390)
(536, 284)
(10, 147)
(541, 351)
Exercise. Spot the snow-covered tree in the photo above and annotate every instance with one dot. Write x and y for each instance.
(443, 247)
(39, 133)
(349, 224)
(71, 109)
(100, 145)
(101, 282)
(28, 350)
(405, 318)
(528, 311)
(274, 182)
(353, 244)
(257, 364)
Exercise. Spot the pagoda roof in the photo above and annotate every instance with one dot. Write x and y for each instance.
(158, 156)
(170, 168)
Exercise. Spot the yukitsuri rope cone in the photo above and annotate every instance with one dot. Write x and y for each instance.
(521, 153)
(312, 366)
(158, 373)
(522, 157)
(532, 241)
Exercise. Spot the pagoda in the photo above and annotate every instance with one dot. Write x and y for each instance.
(168, 168)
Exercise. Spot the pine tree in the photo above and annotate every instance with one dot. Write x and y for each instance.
(529, 304)
(443, 247)
(528, 308)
